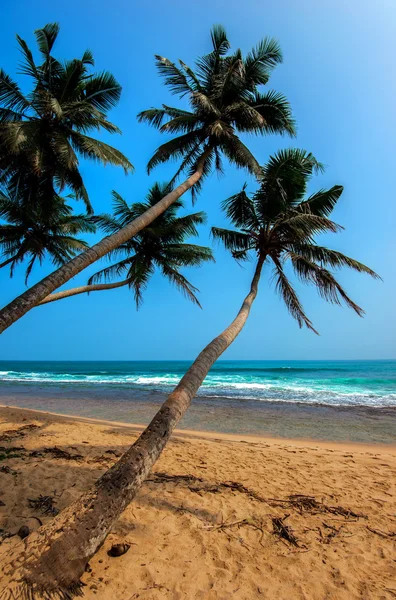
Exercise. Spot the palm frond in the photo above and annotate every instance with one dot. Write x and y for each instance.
(220, 43)
(191, 77)
(108, 273)
(261, 60)
(305, 226)
(106, 223)
(177, 229)
(181, 124)
(232, 240)
(175, 148)
(87, 58)
(103, 91)
(240, 210)
(323, 202)
(152, 116)
(324, 281)
(332, 258)
(46, 38)
(275, 111)
(28, 66)
(99, 151)
(290, 298)
(11, 96)
(186, 255)
(139, 273)
(181, 282)
(239, 155)
(174, 78)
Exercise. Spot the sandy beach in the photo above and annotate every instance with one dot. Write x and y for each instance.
(210, 523)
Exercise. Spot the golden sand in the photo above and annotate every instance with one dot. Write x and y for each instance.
(202, 526)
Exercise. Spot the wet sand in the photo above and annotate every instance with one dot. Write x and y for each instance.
(247, 417)
(202, 526)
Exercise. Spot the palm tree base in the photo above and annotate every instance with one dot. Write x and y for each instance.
(50, 562)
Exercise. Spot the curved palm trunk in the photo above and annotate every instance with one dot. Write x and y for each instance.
(84, 289)
(54, 558)
(33, 296)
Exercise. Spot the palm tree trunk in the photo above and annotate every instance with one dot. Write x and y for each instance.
(84, 289)
(54, 558)
(33, 296)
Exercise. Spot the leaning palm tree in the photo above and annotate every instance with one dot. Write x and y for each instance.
(277, 225)
(161, 245)
(225, 101)
(40, 229)
(43, 133)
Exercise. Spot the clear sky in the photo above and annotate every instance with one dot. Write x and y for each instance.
(339, 75)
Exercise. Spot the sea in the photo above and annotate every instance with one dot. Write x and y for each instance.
(338, 400)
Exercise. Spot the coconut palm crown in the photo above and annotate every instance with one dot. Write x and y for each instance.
(278, 225)
(43, 133)
(224, 100)
(160, 245)
(34, 231)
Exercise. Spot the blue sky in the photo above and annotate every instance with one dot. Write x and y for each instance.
(339, 76)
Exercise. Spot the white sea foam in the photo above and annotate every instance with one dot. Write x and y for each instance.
(238, 386)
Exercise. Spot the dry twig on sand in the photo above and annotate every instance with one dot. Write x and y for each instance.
(249, 522)
(11, 434)
(284, 532)
(45, 504)
(384, 534)
(57, 453)
(309, 504)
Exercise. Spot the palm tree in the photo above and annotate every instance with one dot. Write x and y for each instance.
(277, 225)
(225, 101)
(43, 133)
(160, 245)
(39, 229)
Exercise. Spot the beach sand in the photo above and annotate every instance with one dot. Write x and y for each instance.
(202, 526)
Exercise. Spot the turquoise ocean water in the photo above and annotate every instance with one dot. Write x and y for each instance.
(324, 399)
(344, 383)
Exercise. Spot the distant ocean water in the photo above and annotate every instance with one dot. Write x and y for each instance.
(335, 383)
(335, 400)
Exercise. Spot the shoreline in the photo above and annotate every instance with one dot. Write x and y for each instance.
(214, 436)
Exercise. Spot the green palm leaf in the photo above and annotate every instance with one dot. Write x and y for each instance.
(290, 298)
(279, 224)
(161, 244)
(222, 91)
(323, 202)
(103, 91)
(46, 38)
(11, 96)
(232, 240)
(39, 132)
(261, 61)
(240, 210)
